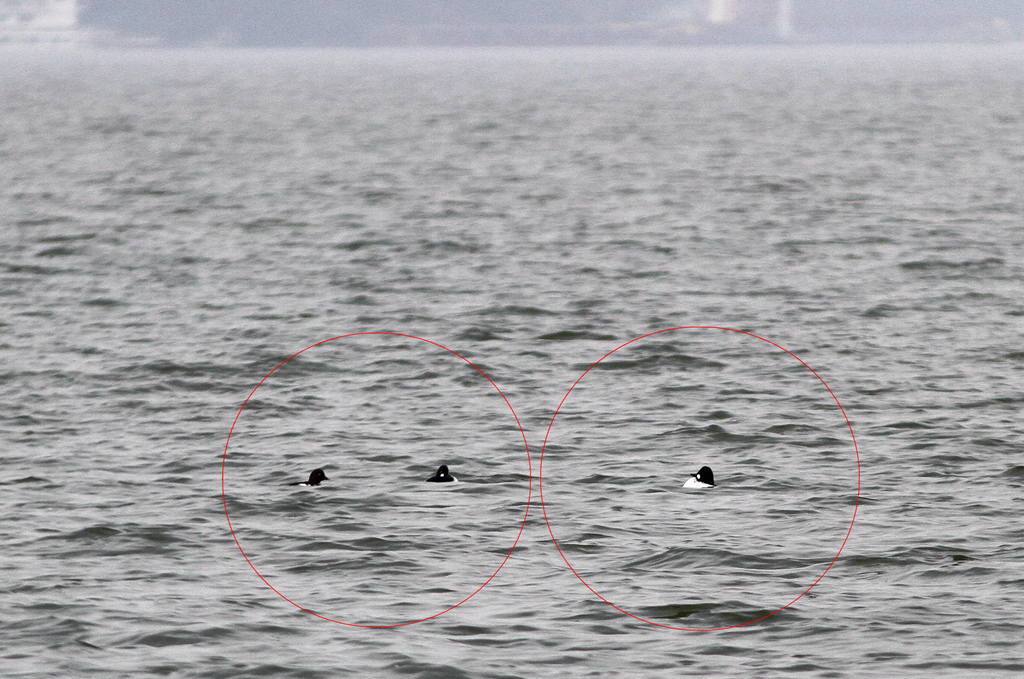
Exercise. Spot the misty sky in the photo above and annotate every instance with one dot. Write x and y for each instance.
(341, 22)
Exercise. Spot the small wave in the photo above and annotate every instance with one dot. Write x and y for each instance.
(958, 573)
(712, 615)
(612, 365)
(322, 546)
(102, 302)
(718, 433)
(43, 221)
(982, 666)
(914, 556)
(893, 427)
(60, 251)
(29, 268)
(1015, 472)
(514, 310)
(378, 196)
(105, 540)
(952, 458)
(355, 245)
(773, 185)
(791, 428)
(270, 223)
(296, 367)
(569, 547)
(469, 630)
(574, 335)
(820, 442)
(781, 486)
(675, 557)
(379, 545)
(176, 637)
(941, 264)
(435, 248)
(882, 311)
(199, 386)
(989, 442)
(30, 479)
(421, 669)
(166, 367)
(989, 402)
(597, 478)
(479, 335)
(375, 562)
(89, 533)
(676, 611)
(655, 362)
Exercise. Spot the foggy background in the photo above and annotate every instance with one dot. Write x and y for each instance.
(537, 22)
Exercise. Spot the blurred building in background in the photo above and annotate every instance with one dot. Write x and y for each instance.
(721, 11)
(757, 19)
(39, 21)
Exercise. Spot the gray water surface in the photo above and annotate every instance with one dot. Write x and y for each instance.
(173, 226)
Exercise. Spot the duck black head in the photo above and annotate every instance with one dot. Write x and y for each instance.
(316, 476)
(705, 475)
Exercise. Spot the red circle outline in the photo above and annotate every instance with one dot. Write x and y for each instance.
(400, 624)
(540, 478)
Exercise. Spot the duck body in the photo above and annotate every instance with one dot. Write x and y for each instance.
(705, 478)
